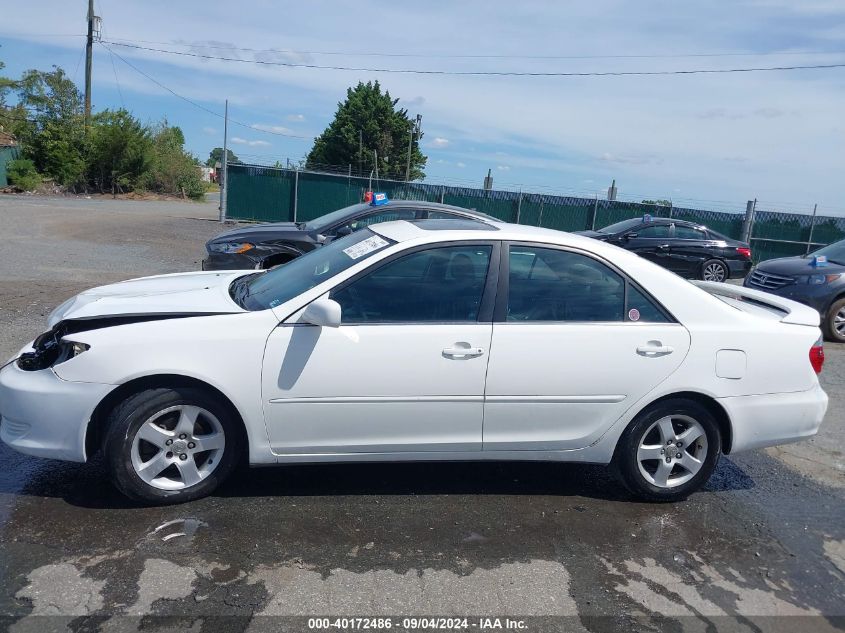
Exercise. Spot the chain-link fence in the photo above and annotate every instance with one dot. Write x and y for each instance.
(270, 194)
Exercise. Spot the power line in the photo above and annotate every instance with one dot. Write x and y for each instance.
(232, 47)
(116, 80)
(198, 105)
(493, 73)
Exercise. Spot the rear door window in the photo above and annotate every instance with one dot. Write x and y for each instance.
(689, 233)
(546, 284)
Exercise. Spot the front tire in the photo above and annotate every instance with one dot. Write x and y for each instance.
(170, 445)
(669, 450)
(834, 323)
(715, 270)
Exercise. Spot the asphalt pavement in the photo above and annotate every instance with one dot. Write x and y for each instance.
(539, 546)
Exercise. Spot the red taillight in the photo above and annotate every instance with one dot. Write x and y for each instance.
(817, 356)
(744, 251)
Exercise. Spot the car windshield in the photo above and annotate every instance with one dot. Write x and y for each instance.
(324, 221)
(835, 252)
(274, 287)
(624, 225)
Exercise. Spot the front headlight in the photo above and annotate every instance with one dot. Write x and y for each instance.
(818, 280)
(70, 349)
(230, 248)
(49, 351)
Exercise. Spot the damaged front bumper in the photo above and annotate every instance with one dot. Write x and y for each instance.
(45, 416)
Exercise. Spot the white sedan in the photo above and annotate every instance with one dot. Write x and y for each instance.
(426, 340)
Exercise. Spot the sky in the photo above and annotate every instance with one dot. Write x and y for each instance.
(701, 140)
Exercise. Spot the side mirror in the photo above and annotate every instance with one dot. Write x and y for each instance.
(630, 236)
(323, 312)
(343, 231)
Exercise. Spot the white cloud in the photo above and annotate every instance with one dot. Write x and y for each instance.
(237, 140)
(296, 118)
(276, 129)
(503, 167)
(461, 165)
(658, 132)
(209, 130)
(439, 142)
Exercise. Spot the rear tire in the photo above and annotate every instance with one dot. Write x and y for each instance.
(835, 319)
(647, 455)
(715, 270)
(171, 445)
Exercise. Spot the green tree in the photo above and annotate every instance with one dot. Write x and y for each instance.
(120, 151)
(6, 86)
(172, 169)
(659, 203)
(383, 128)
(216, 155)
(52, 133)
(22, 174)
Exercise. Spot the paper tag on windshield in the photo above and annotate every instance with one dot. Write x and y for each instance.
(365, 246)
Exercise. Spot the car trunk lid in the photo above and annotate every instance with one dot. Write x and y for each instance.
(762, 303)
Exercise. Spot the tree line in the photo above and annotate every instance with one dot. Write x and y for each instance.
(114, 153)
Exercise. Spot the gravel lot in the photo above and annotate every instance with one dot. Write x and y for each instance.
(764, 541)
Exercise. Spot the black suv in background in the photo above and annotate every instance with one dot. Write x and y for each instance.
(260, 246)
(802, 279)
(686, 248)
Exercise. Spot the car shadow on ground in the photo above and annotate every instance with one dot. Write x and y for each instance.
(87, 485)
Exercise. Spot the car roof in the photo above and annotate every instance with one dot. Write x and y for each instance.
(404, 230)
(420, 204)
(673, 221)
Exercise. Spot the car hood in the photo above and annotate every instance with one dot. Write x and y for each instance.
(259, 233)
(177, 294)
(797, 266)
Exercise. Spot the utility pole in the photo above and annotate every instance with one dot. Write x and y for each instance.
(224, 182)
(89, 51)
(375, 160)
(812, 227)
(415, 129)
(748, 222)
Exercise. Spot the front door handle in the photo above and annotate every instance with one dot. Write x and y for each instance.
(663, 247)
(462, 350)
(654, 348)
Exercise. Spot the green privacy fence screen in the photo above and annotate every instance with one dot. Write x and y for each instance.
(270, 194)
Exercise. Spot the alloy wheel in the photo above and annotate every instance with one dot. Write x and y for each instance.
(672, 451)
(714, 272)
(178, 447)
(839, 322)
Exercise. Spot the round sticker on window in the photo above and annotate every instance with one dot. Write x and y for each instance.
(634, 314)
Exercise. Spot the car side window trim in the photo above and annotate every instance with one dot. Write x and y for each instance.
(488, 295)
(500, 311)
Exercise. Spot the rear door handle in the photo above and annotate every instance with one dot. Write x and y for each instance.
(654, 348)
(462, 350)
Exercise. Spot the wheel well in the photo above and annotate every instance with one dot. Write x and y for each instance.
(97, 423)
(838, 297)
(278, 258)
(711, 405)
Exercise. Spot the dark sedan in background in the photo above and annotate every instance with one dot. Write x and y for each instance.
(820, 285)
(686, 248)
(262, 246)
